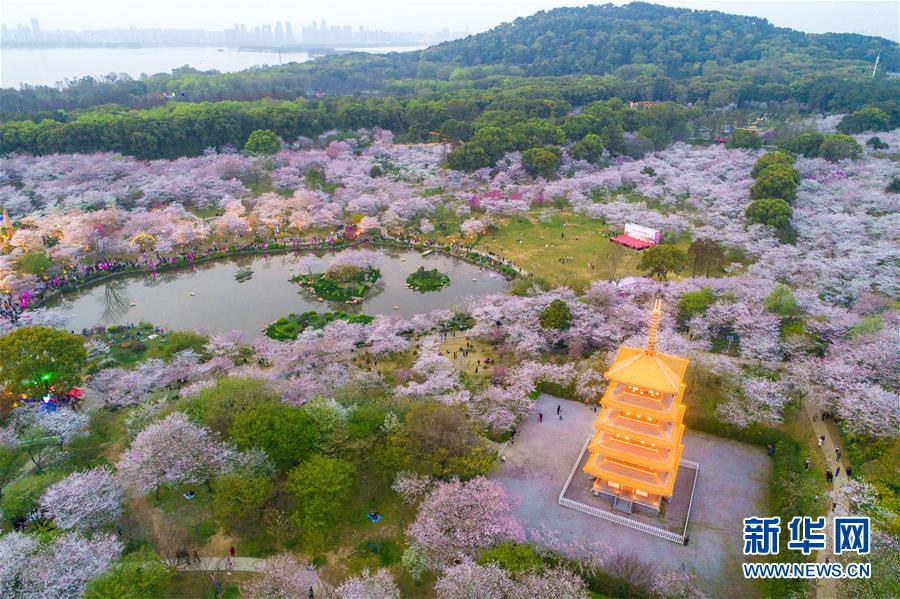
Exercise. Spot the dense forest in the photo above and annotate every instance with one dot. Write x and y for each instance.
(642, 51)
(520, 86)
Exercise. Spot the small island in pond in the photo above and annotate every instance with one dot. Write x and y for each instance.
(340, 283)
(289, 327)
(427, 280)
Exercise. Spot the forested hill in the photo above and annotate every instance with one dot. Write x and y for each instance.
(635, 52)
(600, 39)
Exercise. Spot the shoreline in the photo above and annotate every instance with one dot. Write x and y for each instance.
(508, 271)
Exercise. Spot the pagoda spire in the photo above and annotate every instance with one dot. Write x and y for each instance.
(654, 326)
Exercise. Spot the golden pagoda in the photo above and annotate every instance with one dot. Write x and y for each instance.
(636, 448)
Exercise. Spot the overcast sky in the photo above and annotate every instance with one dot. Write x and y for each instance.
(867, 17)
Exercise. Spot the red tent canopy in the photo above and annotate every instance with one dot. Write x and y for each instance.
(632, 242)
(76, 392)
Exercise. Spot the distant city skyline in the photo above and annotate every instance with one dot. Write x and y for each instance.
(870, 17)
(278, 33)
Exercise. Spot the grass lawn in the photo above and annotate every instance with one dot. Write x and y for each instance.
(539, 247)
(197, 585)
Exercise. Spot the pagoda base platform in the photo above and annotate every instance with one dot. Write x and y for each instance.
(582, 492)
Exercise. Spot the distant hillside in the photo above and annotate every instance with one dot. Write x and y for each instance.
(635, 52)
(600, 39)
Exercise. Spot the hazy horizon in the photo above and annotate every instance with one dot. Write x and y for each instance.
(881, 18)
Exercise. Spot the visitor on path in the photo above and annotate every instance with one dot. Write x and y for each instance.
(837, 451)
(231, 551)
(770, 449)
(837, 472)
(849, 471)
(806, 463)
(559, 409)
(828, 475)
(821, 440)
(560, 416)
(540, 417)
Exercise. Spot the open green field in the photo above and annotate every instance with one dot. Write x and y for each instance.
(562, 250)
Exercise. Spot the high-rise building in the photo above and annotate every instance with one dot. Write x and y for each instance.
(636, 448)
(35, 26)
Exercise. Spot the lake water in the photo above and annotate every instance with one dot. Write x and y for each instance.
(222, 304)
(47, 66)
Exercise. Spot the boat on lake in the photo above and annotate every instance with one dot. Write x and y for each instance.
(244, 274)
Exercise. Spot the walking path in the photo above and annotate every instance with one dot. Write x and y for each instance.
(826, 588)
(238, 564)
(244, 564)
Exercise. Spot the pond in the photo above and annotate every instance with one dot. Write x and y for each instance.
(220, 303)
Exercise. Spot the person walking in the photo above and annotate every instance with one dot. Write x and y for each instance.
(828, 475)
(558, 409)
(231, 551)
(806, 463)
(540, 417)
(821, 440)
(837, 472)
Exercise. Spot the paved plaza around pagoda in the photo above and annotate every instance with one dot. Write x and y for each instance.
(731, 485)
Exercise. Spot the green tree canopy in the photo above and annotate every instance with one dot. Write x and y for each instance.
(321, 485)
(240, 496)
(542, 162)
(515, 558)
(590, 148)
(706, 254)
(772, 158)
(867, 118)
(838, 146)
(781, 302)
(692, 303)
(262, 141)
(776, 181)
(286, 433)
(557, 315)
(774, 212)
(141, 577)
(468, 157)
(34, 263)
(806, 144)
(660, 260)
(34, 359)
(217, 406)
(744, 138)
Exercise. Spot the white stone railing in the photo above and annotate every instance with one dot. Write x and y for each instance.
(624, 521)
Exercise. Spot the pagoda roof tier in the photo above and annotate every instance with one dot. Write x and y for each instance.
(660, 457)
(601, 466)
(618, 396)
(647, 368)
(666, 432)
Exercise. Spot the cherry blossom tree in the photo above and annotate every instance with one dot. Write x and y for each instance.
(368, 586)
(84, 500)
(676, 585)
(173, 451)
(411, 486)
(468, 580)
(281, 577)
(58, 570)
(459, 518)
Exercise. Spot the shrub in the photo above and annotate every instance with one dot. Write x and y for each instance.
(262, 141)
(744, 138)
(837, 147)
(774, 212)
(557, 315)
